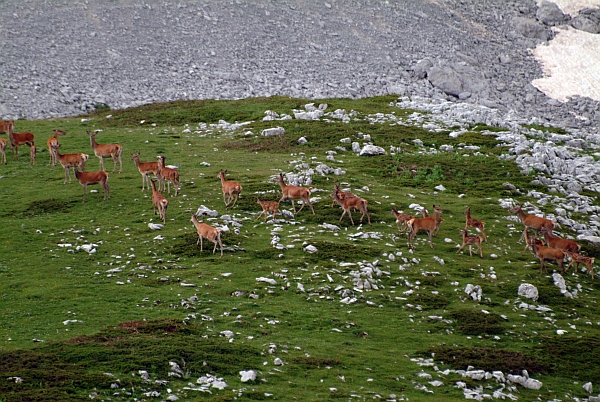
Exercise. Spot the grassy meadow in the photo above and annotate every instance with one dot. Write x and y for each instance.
(76, 325)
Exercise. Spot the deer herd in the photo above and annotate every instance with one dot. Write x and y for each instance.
(543, 244)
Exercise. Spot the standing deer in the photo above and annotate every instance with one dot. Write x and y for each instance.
(581, 259)
(469, 240)
(207, 232)
(230, 188)
(295, 193)
(341, 194)
(531, 221)
(569, 246)
(544, 254)
(352, 202)
(474, 223)
(145, 168)
(268, 206)
(102, 151)
(168, 175)
(159, 202)
(51, 142)
(3, 149)
(17, 139)
(6, 125)
(99, 177)
(69, 161)
(427, 224)
(401, 219)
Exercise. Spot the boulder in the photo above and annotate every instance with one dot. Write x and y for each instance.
(529, 291)
(588, 20)
(550, 14)
(272, 131)
(371, 150)
(529, 28)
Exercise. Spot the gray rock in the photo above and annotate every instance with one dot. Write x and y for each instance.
(588, 20)
(371, 150)
(549, 13)
(272, 131)
(529, 28)
(528, 290)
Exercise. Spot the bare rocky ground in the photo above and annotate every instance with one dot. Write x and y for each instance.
(62, 58)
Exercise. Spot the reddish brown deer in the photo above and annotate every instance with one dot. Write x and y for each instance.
(102, 151)
(427, 224)
(569, 246)
(401, 219)
(69, 161)
(341, 194)
(145, 169)
(529, 241)
(349, 203)
(531, 221)
(470, 240)
(295, 193)
(159, 202)
(3, 149)
(51, 142)
(17, 139)
(168, 175)
(581, 259)
(6, 125)
(88, 178)
(474, 223)
(230, 189)
(207, 232)
(544, 254)
(268, 206)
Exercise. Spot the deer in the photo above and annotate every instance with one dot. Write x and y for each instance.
(295, 193)
(581, 259)
(474, 223)
(168, 175)
(529, 241)
(427, 224)
(231, 189)
(268, 206)
(145, 168)
(102, 151)
(69, 161)
(17, 139)
(531, 221)
(207, 232)
(341, 194)
(86, 178)
(51, 141)
(470, 240)
(569, 246)
(438, 220)
(401, 219)
(6, 125)
(159, 202)
(547, 254)
(3, 149)
(349, 203)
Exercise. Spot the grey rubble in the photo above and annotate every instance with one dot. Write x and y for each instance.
(62, 58)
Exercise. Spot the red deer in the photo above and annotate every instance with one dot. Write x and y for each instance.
(531, 221)
(401, 219)
(230, 188)
(268, 206)
(207, 232)
(168, 175)
(547, 254)
(474, 223)
(52, 141)
(295, 193)
(3, 149)
(159, 202)
(99, 177)
(352, 203)
(469, 240)
(145, 168)
(569, 246)
(69, 161)
(102, 151)
(427, 224)
(17, 139)
(581, 259)
(341, 194)
(6, 125)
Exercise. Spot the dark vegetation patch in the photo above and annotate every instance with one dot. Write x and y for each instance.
(57, 371)
(185, 245)
(571, 357)
(549, 294)
(41, 207)
(315, 362)
(484, 358)
(475, 322)
(429, 301)
(342, 251)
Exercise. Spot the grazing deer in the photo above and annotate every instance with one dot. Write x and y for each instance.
(99, 177)
(168, 175)
(352, 203)
(231, 189)
(295, 193)
(145, 168)
(17, 139)
(207, 232)
(581, 259)
(102, 151)
(3, 149)
(474, 223)
(50, 143)
(159, 202)
(401, 219)
(69, 161)
(341, 194)
(547, 254)
(469, 240)
(531, 221)
(6, 125)
(427, 224)
(569, 246)
(268, 206)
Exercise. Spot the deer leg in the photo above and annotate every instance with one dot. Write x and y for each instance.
(201, 242)
(84, 192)
(294, 206)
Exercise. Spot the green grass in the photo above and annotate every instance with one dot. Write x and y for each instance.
(75, 324)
